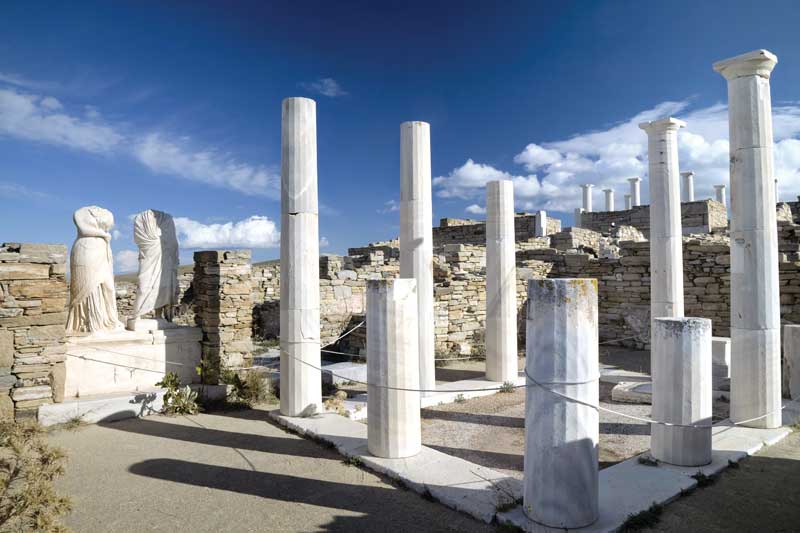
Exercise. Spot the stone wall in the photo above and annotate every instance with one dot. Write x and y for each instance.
(223, 306)
(467, 231)
(184, 315)
(33, 298)
(701, 216)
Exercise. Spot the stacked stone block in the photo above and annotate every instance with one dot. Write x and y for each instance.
(696, 217)
(223, 306)
(33, 298)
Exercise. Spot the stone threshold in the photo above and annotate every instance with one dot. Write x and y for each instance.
(626, 488)
(115, 406)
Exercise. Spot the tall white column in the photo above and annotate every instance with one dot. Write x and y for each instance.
(578, 217)
(687, 191)
(666, 239)
(628, 202)
(416, 235)
(755, 300)
(720, 192)
(501, 283)
(301, 385)
(587, 197)
(791, 360)
(609, 199)
(394, 429)
(560, 485)
(540, 229)
(682, 391)
(636, 190)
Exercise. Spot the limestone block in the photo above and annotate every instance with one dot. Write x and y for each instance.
(721, 356)
(791, 360)
(31, 393)
(16, 271)
(682, 390)
(43, 253)
(394, 426)
(58, 378)
(6, 407)
(6, 349)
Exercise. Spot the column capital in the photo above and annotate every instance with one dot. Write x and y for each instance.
(637, 179)
(665, 124)
(687, 173)
(608, 190)
(719, 186)
(755, 63)
(587, 185)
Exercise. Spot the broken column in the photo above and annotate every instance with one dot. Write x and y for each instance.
(687, 192)
(560, 485)
(720, 191)
(416, 235)
(301, 381)
(628, 202)
(666, 239)
(791, 361)
(578, 217)
(394, 428)
(755, 301)
(636, 196)
(587, 197)
(609, 199)
(501, 283)
(540, 228)
(682, 391)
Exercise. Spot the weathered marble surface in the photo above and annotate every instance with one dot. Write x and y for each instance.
(636, 191)
(157, 290)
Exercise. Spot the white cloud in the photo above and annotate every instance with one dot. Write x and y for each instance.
(469, 180)
(116, 235)
(126, 261)
(15, 191)
(389, 207)
(165, 156)
(326, 87)
(252, 232)
(475, 209)
(324, 242)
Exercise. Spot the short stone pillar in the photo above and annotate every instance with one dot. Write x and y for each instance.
(720, 193)
(628, 202)
(301, 381)
(609, 199)
(682, 391)
(587, 197)
(540, 227)
(578, 217)
(636, 190)
(791, 361)
(755, 300)
(560, 485)
(394, 428)
(501, 283)
(416, 236)
(687, 191)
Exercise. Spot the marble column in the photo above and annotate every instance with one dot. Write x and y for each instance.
(394, 428)
(687, 191)
(628, 202)
(540, 229)
(416, 235)
(578, 217)
(682, 390)
(791, 360)
(609, 199)
(636, 190)
(301, 385)
(720, 192)
(501, 283)
(560, 484)
(587, 197)
(666, 238)
(755, 300)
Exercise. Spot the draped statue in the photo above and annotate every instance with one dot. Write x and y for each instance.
(154, 233)
(93, 303)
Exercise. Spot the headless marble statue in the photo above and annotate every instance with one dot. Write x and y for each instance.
(157, 292)
(93, 303)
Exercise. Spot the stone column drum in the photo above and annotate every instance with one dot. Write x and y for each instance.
(587, 197)
(791, 361)
(609, 199)
(301, 385)
(578, 217)
(540, 229)
(687, 191)
(560, 485)
(636, 190)
(416, 235)
(682, 391)
(628, 202)
(666, 239)
(755, 301)
(720, 193)
(394, 428)
(501, 283)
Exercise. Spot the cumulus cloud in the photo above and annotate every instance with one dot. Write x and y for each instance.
(324, 242)
(389, 207)
(126, 261)
(326, 87)
(252, 232)
(475, 209)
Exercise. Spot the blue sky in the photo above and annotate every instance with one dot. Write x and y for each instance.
(176, 106)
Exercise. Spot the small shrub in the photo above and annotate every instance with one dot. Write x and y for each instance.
(647, 460)
(460, 399)
(645, 519)
(28, 467)
(507, 387)
(352, 461)
(177, 400)
(248, 391)
(704, 480)
(336, 403)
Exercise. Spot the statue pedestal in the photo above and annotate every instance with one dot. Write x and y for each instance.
(149, 324)
(128, 361)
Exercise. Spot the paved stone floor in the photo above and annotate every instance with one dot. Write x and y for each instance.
(229, 472)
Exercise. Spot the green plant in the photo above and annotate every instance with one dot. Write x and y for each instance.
(336, 403)
(507, 387)
(28, 468)
(177, 400)
(352, 460)
(508, 505)
(703, 480)
(639, 521)
(248, 391)
(460, 399)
